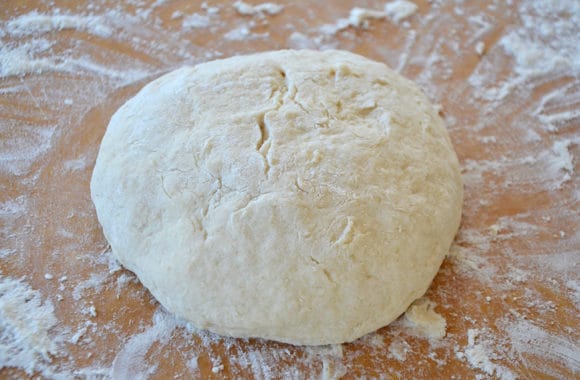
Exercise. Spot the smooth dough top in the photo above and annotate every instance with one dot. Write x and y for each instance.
(302, 196)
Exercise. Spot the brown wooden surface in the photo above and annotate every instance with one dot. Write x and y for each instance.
(58, 198)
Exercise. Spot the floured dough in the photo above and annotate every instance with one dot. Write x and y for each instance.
(301, 196)
(425, 319)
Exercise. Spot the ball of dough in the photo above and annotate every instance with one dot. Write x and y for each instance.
(301, 196)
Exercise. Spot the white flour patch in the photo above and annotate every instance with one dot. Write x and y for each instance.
(22, 59)
(13, 208)
(394, 11)
(399, 349)
(37, 139)
(299, 40)
(541, 52)
(243, 33)
(574, 286)
(480, 356)
(36, 55)
(29, 58)
(26, 321)
(130, 362)
(399, 10)
(196, 20)
(259, 9)
(95, 283)
(528, 338)
(35, 23)
(76, 164)
(555, 165)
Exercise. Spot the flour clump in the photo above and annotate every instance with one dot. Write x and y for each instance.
(301, 196)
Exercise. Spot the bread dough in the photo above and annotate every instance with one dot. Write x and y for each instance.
(302, 196)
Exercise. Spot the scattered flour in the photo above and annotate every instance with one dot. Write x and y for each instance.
(196, 20)
(243, 33)
(574, 286)
(478, 355)
(399, 10)
(36, 23)
(480, 48)
(26, 321)
(94, 282)
(29, 58)
(210, 9)
(130, 362)
(299, 40)
(360, 17)
(528, 338)
(399, 349)
(395, 11)
(544, 52)
(555, 164)
(76, 164)
(259, 9)
(79, 334)
(38, 140)
(332, 370)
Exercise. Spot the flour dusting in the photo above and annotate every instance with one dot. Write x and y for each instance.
(246, 9)
(479, 355)
(35, 23)
(399, 10)
(130, 361)
(529, 338)
(26, 320)
(395, 11)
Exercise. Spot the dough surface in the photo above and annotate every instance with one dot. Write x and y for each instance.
(301, 196)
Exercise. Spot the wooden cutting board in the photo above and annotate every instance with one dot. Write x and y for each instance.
(506, 77)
